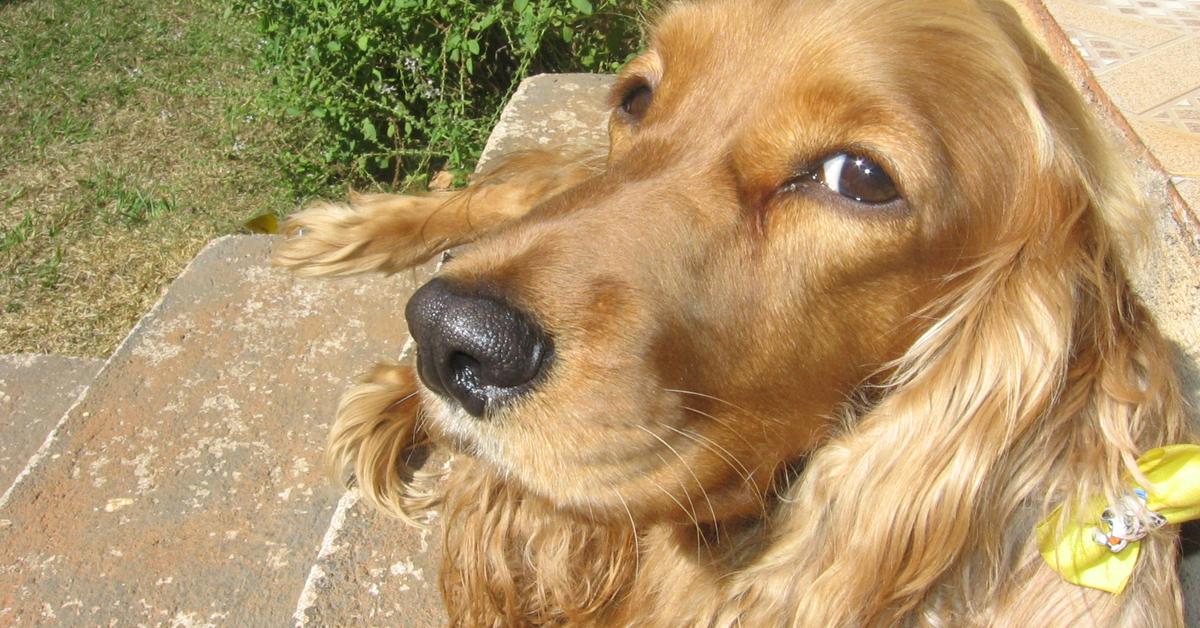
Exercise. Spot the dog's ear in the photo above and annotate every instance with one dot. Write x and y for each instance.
(1120, 395)
(1114, 341)
(1072, 146)
(1039, 380)
(375, 435)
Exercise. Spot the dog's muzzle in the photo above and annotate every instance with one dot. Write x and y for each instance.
(476, 348)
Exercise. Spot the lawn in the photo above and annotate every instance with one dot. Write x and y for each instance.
(133, 132)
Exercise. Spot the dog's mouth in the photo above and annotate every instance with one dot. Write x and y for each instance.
(603, 466)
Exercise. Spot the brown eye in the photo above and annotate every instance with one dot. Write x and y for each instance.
(637, 101)
(857, 178)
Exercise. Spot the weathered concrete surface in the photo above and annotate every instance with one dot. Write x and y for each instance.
(376, 570)
(1169, 281)
(35, 391)
(186, 487)
(555, 111)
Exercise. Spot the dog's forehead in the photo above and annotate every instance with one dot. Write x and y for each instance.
(790, 80)
(759, 47)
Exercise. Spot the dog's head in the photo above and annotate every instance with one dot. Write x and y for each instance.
(799, 195)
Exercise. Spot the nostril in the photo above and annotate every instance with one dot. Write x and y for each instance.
(427, 369)
(463, 383)
(464, 370)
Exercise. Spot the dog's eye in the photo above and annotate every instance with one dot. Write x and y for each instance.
(637, 101)
(857, 178)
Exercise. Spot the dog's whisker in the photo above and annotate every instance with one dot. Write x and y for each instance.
(726, 424)
(727, 457)
(748, 413)
(712, 511)
(637, 548)
(709, 444)
(694, 393)
(716, 449)
(706, 396)
(701, 540)
(691, 513)
(397, 403)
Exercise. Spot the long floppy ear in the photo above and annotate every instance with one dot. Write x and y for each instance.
(1038, 383)
(1121, 396)
(512, 559)
(391, 232)
(943, 471)
(1120, 378)
(375, 435)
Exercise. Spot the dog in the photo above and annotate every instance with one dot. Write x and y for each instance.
(839, 317)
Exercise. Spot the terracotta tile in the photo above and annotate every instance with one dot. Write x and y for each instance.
(1182, 113)
(1131, 29)
(1178, 151)
(1154, 79)
(1180, 15)
(1100, 52)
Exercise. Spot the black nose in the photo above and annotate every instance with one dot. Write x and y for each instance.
(474, 347)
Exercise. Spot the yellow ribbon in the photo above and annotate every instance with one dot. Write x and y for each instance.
(1173, 473)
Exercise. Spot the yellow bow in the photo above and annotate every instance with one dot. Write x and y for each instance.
(1173, 473)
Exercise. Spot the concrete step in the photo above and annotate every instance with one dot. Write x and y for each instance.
(185, 487)
(372, 569)
(35, 392)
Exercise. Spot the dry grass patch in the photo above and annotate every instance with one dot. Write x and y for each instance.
(133, 134)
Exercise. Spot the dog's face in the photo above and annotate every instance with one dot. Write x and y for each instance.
(790, 184)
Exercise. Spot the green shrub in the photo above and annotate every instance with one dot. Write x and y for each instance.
(387, 90)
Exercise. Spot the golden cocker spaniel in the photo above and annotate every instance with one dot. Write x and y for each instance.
(841, 315)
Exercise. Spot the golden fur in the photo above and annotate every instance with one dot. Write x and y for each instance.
(772, 407)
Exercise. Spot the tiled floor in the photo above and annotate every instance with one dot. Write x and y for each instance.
(1145, 54)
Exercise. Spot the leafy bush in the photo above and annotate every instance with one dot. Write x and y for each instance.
(388, 89)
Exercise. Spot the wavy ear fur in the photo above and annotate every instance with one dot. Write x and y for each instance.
(512, 559)
(1041, 381)
(375, 436)
(391, 232)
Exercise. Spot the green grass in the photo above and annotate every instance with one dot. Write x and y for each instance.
(119, 199)
(133, 132)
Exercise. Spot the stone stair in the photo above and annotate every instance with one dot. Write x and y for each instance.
(180, 482)
(35, 391)
(184, 487)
